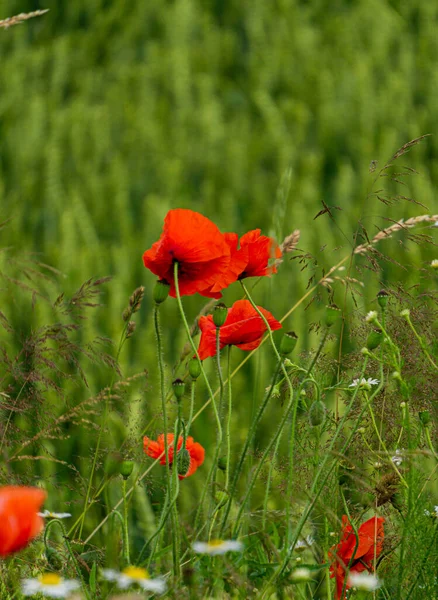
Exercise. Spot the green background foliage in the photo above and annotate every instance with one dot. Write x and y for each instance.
(251, 112)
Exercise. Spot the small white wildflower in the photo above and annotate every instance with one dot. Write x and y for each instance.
(402, 404)
(405, 312)
(50, 585)
(135, 575)
(47, 514)
(397, 459)
(371, 316)
(364, 383)
(434, 263)
(364, 581)
(434, 513)
(301, 574)
(302, 545)
(215, 547)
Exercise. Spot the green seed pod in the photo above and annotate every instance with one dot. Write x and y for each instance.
(183, 461)
(220, 313)
(126, 468)
(288, 342)
(178, 388)
(374, 338)
(194, 368)
(382, 298)
(222, 463)
(161, 291)
(317, 413)
(332, 314)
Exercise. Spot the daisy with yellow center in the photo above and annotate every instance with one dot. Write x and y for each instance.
(215, 547)
(135, 575)
(50, 585)
(47, 514)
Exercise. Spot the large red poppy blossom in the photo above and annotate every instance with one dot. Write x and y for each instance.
(189, 462)
(19, 520)
(243, 328)
(346, 558)
(260, 249)
(201, 250)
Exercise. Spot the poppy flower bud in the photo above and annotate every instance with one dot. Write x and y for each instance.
(183, 462)
(222, 463)
(178, 388)
(288, 342)
(194, 368)
(425, 419)
(220, 313)
(382, 299)
(126, 468)
(161, 291)
(374, 338)
(332, 313)
(317, 413)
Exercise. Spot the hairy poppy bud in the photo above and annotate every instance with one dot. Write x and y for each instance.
(126, 468)
(288, 342)
(161, 291)
(332, 313)
(382, 298)
(194, 368)
(178, 388)
(220, 313)
(183, 461)
(374, 338)
(317, 413)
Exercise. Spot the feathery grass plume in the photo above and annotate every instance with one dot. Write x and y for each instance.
(18, 19)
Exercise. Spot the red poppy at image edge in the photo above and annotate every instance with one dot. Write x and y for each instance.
(243, 328)
(19, 520)
(156, 450)
(369, 546)
(208, 260)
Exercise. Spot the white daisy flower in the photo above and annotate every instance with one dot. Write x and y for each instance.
(371, 316)
(47, 514)
(434, 513)
(135, 575)
(301, 574)
(364, 383)
(364, 581)
(302, 545)
(50, 585)
(215, 547)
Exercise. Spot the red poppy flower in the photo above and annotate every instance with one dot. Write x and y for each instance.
(187, 462)
(260, 249)
(201, 250)
(243, 328)
(19, 520)
(360, 559)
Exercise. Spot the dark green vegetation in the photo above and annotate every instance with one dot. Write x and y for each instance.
(255, 114)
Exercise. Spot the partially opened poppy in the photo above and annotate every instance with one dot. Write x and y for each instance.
(188, 460)
(243, 328)
(260, 249)
(347, 558)
(202, 252)
(19, 519)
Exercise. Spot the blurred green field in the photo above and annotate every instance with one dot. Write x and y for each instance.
(253, 113)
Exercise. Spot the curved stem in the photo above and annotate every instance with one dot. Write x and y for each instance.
(125, 526)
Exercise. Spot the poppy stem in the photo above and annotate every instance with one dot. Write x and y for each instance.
(210, 393)
(230, 408)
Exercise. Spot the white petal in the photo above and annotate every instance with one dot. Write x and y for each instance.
(158, 585)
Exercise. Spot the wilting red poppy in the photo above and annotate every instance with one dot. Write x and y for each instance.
(260, 249)
(243, 328)
(345, 553)
(188, 461)
(201, 250)
(19, 520)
